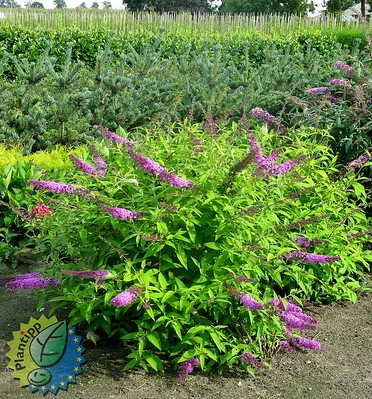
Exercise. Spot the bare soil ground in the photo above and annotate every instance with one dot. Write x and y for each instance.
(341, 370)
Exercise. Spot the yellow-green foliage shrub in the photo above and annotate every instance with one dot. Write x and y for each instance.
(48, 160)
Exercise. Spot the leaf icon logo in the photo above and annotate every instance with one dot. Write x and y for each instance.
(48, 347)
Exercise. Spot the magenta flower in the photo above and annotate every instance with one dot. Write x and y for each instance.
(116, 138)
(248, 357)
(85, 274)
(298, 320)
(340, 82)
(187, 367)
(85, 167)
(121, 213)
(176, 181)
(302, 241)
(290, 306)
(250, 303)
(266, 117)
(285, 166)
(266, 165)
(126, 297)
(98, 159)
(358, 163)
(332, 99)
(306, 343)
(40, 211)
(285, 345)
(255, 147)
(344, 67)
(22, 276)
(54, 187)
(312, 258)
(32, 283)
(317, 90)
(147, 164)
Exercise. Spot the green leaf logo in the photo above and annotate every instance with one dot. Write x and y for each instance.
(48, 347)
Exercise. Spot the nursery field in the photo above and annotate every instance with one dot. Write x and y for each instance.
(196, 198)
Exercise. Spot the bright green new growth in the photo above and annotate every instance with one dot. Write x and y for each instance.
(185, 256)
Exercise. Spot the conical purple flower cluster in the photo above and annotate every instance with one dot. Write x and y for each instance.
(250, 303)
(85, 167)
(304, 343)
(344, 67)
(317, 90)
(85, 274)
(248, 357)
(126, 297)
(358, 163)
(340, 82)
(115, 137)
(266, 117)
(176, 181)
(31, 281)
(121, 213)
(54, 187)
(293, 315)
(98, 159)
(147, 164)
(312, 258)
(187, 367)
(267, 165)
(302, 242)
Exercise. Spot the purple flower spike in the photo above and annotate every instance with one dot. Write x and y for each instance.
(266, 117)
(250, 303)
(85, 167)
(302, 241)
(306, 343)
(121, 213)
(317, 90)
(147, 164)
(255, 147)
(115, 137)
(32, 283)
(312, 258)
(285, 345)
(344, 67)
(98, 159)
(359, 162)
(186, 368)
(340, 82)
(332, 99)
(176, 181)
(54, 187)
(285, 166)
(126, 297)
(84, 274)
(248, 357)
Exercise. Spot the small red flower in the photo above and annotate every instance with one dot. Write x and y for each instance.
(40, 211)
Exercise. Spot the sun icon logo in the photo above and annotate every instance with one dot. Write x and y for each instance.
(46, 355)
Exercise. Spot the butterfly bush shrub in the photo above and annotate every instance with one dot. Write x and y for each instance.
(200, 249)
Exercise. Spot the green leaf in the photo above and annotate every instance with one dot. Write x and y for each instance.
(177, 328)
(132, 363)
(153, 337)
(162, 281)
(217, 341)
(181, 255)
(166, 296)
(212, 245)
